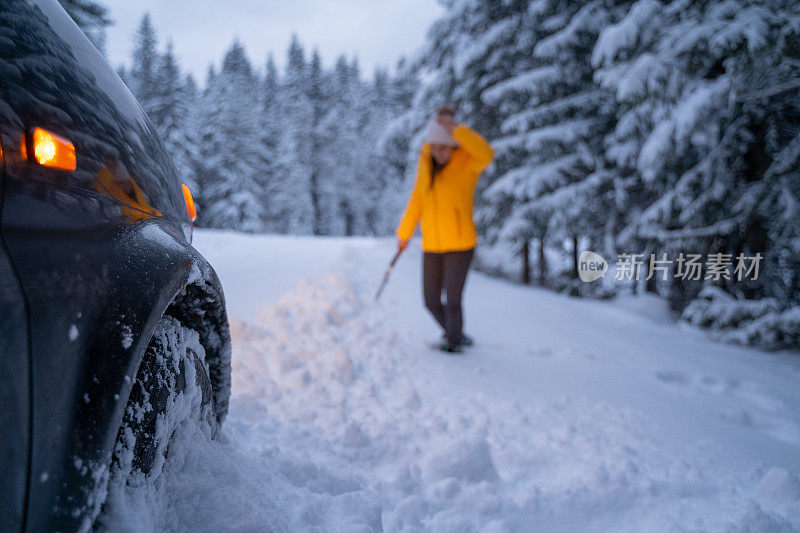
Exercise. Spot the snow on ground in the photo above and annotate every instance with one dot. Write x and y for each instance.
(567, 415)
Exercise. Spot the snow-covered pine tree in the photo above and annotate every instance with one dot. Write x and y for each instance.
(189, 136)
(550, 182)
(403, 85)
(646, 82)
(316, 165)
(697, 153)
(320, 185)
(498, 49)
(169, 113)
(343, 150)
(233, 200)
(361, 114)
(768, 89)
(143, 80)
(206, 118)
(169, 100)
(393, 145)
(268, 170)
(759, 148)
(379, 191)
(292, 205)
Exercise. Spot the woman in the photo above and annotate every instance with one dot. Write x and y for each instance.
(450, 163)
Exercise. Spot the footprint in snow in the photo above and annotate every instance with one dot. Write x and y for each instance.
(673, 377)
(706, 383)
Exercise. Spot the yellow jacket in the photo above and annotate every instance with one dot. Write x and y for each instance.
(446, 207)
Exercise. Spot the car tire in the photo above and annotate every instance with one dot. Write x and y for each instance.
(172, 387)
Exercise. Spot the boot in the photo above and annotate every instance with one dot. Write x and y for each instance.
(466, 340)
(450, 348)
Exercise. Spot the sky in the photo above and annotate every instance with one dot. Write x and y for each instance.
(377, 32)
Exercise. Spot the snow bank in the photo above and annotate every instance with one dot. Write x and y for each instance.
(329, 431)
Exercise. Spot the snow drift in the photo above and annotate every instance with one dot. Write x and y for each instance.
(331, 429)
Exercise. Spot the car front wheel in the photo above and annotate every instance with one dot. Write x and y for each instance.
(172, 388)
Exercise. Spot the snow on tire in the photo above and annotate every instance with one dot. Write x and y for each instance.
(172, 388)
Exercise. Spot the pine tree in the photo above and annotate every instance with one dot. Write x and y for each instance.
(207, 118)
(169, 112)
(704, 150)
(269, 173)
(341, 128)
(550, 181)
(379, 191)
(293, 206)
(143, 74)
(673, 91)
(307, 161)
(320, 190)
(190, 134)
(393, 145)
(233, 199)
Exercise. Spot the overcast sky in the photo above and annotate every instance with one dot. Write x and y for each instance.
(377, 31)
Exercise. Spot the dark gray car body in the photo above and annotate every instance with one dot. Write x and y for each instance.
(90, 260)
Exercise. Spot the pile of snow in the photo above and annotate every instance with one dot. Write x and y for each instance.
(328, 430)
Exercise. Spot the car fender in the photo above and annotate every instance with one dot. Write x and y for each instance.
(155, 271)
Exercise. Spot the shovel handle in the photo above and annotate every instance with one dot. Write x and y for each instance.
(388, 272)
(396, 257)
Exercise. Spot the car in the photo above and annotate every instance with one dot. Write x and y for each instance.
(109, 318)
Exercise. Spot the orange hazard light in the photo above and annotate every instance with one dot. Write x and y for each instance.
(191, 210)
(51, 150)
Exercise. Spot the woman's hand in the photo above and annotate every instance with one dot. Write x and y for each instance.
(402, 244)
(447, 122)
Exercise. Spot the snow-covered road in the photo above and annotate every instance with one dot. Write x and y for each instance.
(567, 415)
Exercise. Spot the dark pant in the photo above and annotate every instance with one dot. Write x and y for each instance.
(446, 271)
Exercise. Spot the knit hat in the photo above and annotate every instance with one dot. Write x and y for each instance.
(437, 134)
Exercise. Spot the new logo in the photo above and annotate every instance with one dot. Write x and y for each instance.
(591, 266)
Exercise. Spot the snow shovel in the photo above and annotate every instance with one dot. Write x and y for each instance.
(388, 273)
